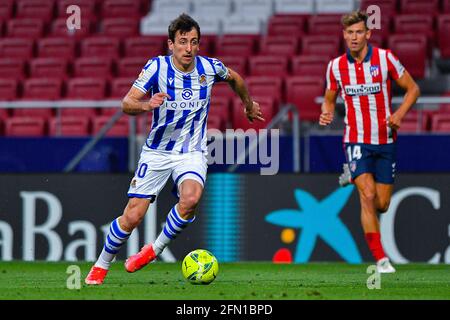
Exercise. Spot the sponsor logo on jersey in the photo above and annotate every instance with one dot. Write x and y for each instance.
(363, 89)
(184, 105)
(186, 94)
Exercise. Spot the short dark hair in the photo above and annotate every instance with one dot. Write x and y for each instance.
(184, 23)
(354, 17)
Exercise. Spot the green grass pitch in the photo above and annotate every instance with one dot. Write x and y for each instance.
(235, 281)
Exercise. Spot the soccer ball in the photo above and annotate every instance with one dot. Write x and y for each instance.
(200, 267)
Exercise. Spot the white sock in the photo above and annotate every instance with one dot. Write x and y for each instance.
(115, 238)
(173, 226)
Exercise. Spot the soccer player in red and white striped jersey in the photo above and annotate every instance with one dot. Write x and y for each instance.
(363, 77)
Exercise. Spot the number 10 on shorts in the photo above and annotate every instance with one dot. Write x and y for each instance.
(355, 154)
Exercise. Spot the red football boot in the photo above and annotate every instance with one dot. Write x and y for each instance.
(140, 259)
(96, 275)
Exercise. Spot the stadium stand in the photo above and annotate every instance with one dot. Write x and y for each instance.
(272, 43)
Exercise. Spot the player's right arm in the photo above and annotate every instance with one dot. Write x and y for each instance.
(133, 105)
(329, 103)
(328, 106)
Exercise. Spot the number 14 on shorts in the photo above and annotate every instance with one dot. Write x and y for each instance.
(354, 154)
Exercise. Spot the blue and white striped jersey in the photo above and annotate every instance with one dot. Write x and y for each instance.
(179, 124)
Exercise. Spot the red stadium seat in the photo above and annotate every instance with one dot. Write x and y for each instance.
(286, 46)
(86, 88)
(79, 112)
(42, 88)
(419, 6)
(121, 8)
(302, 91)
(4, 113)
(87, 7)
(16, 48)
(95, 67)
(235, 46)
(415, 121)
(440, 123)
(24, 127)
(321, 45)
(131, 66)
(12, 68)
(216, 122)
(119, 129)
(411, 51)
(309, 65)
(104, 47)
(145, 46)
(387, 7)
(144, 122)
(120, 87)
(59, 28)
(29, 28)
(268, 65)
(443, 35)
(222, 89)
(238, 64)
(325, 24)
(69, 126)
(266, 87)
(377, 40)
(445, 6)
(8, 89)
(48, 67)
(6, 9)
(110, 111)
(56, 47)
(37, 9)
(386, 26)
(220, 107)
(240, 121)
(208, 45)
(286, 25)
(37, 113)
(119, 27)
(416, 24)
(445, 107)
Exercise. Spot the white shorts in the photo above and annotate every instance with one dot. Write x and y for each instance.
(155, 168)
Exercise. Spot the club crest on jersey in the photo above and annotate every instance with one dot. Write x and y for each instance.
(202, 80)
(375, 70)
(353, 166)
(186, 94)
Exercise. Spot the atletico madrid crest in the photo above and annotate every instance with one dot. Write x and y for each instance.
(375, 70)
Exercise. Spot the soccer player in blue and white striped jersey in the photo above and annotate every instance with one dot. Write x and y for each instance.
(180, 85)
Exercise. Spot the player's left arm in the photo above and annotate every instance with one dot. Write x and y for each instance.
(407, 83)
(252, 109)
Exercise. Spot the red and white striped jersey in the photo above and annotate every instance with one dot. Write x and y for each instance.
(366, 90)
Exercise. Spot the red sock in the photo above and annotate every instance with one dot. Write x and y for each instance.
(373, 239)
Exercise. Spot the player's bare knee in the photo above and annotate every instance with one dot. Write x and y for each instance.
(383, 207)
(189, 202)
(368, 195)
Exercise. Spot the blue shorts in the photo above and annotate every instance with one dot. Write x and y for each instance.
(372, 158)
